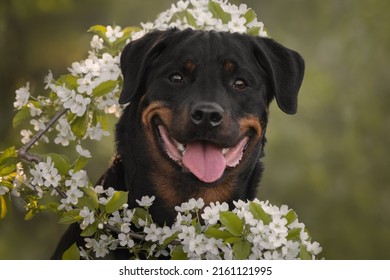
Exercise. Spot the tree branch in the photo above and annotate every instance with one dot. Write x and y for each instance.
(132, 234)
(23, 152)
(135, 235)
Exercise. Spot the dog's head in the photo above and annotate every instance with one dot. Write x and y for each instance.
(202, 100)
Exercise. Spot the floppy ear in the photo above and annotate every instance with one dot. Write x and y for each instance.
(285, 68)
(135, 59)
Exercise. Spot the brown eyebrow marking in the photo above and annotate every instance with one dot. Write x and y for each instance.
(189, 66)
(228, 66)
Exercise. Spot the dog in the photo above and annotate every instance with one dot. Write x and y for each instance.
(196, 119)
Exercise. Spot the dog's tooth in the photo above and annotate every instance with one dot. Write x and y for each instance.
(225, 150)
(180, 147)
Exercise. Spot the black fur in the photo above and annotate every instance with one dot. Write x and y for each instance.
(209, 63)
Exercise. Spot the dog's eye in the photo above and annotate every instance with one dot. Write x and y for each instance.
(240, 84)
(176, 78)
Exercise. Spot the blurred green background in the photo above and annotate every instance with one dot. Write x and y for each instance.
(330, 162)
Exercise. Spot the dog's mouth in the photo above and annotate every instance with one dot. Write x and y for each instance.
(205, 160)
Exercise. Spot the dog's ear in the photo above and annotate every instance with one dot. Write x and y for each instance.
(285, 68)
(135, 59)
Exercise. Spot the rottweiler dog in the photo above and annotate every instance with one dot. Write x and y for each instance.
(197, 113)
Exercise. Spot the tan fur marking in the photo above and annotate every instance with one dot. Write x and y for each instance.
(228, 66)
(165, 178)
(154, 109)
(251, 122)
(190, 66)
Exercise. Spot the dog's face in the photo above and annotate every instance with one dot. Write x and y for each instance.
(201, 99)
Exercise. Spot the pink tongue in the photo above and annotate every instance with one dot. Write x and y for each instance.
(205, 161)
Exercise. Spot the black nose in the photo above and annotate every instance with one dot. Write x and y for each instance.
(207, 114)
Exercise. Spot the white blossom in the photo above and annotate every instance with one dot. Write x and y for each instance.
(26, 135)
(99, 189)
(102, 247)
(97, 42)
(197, 244)
(278, 225)
(48, 80)
(65, 133)
(78, 179)
(237, 24)
(211, 213)
(34, 112)
(44, 174)
(83, 152)
(22, 96)
(290, 250)
(125, 228)
(89, 217)
(86, 84)
(77, 103)
(113, 34)
(72, 195)
(38, 124)
(153, 233)
(3, 189)
(125, 240)
(145, 201)
(96, 132)
(192, 204)
(63, 93)
(313, 248)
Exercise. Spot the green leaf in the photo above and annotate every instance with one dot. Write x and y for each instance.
(90, 229)
(218, 12)
(178, 254)
(140, 213)
(254, 31)
(190, 19)
(3, 208)
(130, 29)
(33, 209)
(250, 15)
(303, 253)
(99, 30)
(232, 240)
(116, 202)
(71, 217)
(87, 202)
(8, 161)
(217, 233)
(291, 216)
(9, 168)
(259, 213)
(127, 31)
(294, 233)
(92, 196)
(170, 239)
(104, 88)
(100, 117)
(79, 125)
(8, 153)
(80, 163)
(241, 250)
(232, 222)
(21, 117)
(69, 81)
(72, 253)
(61, 162)
(30, 214)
